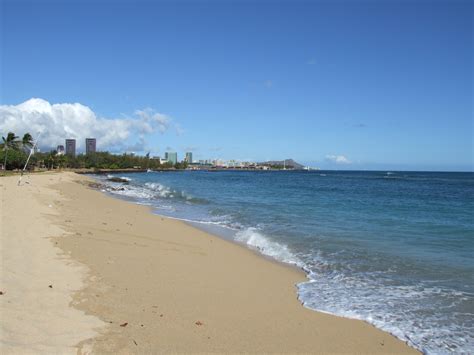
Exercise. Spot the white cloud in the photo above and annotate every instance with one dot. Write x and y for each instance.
(151, 120)
(60, 121)
(338, 159)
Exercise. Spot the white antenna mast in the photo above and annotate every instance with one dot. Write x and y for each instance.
(32, 151)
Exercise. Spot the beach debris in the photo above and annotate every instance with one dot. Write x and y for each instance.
(50, 286)
(124, 324)
(161, 315)
(135, 342)
(199, 323)
(93, 185)
(1, 293)
(117, 188)
(117, 179)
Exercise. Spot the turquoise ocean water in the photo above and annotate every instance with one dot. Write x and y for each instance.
(395, 249)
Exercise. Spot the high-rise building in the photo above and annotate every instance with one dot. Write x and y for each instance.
(71, 147)
(60, 149)
(189, 157)
(172, 157)
(90, 145)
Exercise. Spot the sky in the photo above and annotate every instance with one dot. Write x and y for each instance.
(332, 84)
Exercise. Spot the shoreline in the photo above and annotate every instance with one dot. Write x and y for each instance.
(212, 230)
(164, 285)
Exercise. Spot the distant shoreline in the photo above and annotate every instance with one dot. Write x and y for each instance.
(131, 170)
(111, 171)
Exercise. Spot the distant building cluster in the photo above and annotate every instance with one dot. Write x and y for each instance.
(228, 164)
(70, 147)
(172, 158)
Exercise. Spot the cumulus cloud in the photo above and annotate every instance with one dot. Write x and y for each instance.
(150, 120)
(56, 122)
(338, 159)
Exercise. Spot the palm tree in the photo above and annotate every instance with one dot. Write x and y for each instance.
(51, 159)
(11, 142)
(60, 160)
(27, 141)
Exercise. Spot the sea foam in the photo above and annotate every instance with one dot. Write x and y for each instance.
(257, 241)
(370, 245)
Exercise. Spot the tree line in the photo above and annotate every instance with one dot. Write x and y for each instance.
(14, 153)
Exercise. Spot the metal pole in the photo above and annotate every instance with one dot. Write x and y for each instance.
(32, 150)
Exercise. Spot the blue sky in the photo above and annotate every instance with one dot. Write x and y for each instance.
(334, 84)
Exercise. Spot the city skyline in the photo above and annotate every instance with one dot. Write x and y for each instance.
(341, 85)
(69, 148)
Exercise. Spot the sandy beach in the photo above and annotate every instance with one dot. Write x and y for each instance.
(83, 272)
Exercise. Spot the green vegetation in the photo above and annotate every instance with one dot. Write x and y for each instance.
(14, 153)
(106, 160)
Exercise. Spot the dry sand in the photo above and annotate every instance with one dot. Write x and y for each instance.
(37, 279)
(158, 284)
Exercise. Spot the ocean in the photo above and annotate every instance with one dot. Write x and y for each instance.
(395, 249)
